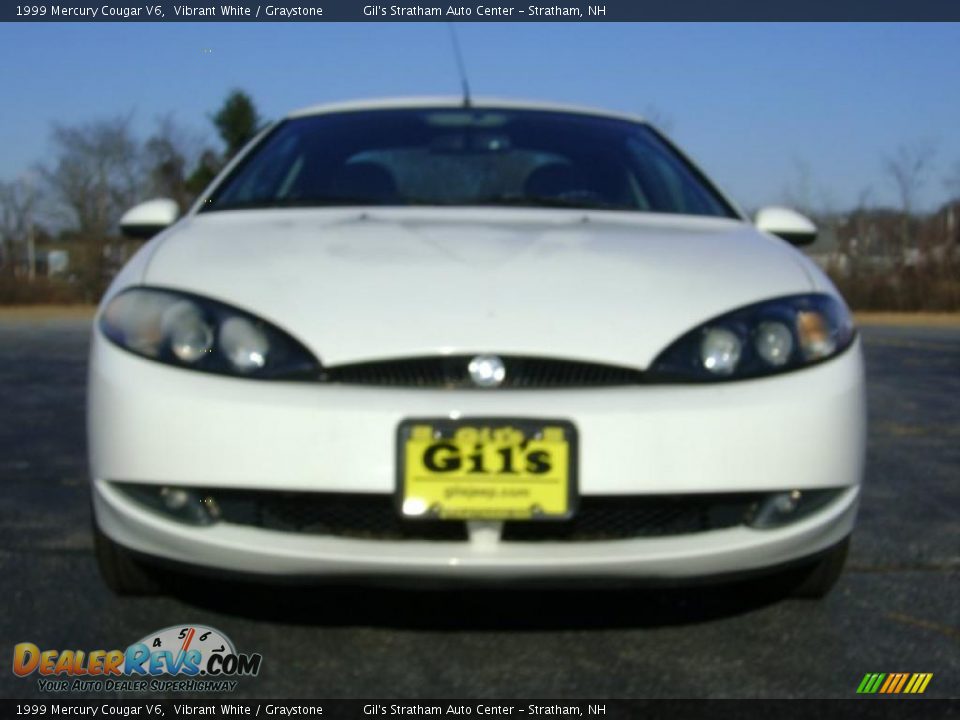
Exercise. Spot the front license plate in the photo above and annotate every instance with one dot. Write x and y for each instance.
(487, 469)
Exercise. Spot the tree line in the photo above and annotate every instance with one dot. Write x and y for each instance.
(900, 257)
(884, 258)
(99, 170)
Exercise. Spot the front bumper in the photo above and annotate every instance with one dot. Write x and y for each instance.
(264, 552)
(153, 424)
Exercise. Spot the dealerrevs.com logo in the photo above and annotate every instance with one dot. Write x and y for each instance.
(179, 658)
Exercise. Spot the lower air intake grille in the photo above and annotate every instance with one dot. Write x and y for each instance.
(622, 518)
(360, 516)
(374, 517)
(451, 372)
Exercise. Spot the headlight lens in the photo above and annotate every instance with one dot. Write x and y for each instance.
(816, 338)
(245, 345)
(190, 336)
(774, 343)
(720, 351)
(769, 337)
(189, 331)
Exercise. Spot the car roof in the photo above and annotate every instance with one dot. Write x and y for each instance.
(413, 103)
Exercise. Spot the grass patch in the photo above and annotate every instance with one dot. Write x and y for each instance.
(41, 313)
(909, 319)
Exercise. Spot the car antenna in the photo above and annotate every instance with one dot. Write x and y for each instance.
(461, 67)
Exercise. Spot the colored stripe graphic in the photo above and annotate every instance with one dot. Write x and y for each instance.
(922, 682)
(894, 683)
(871, 683)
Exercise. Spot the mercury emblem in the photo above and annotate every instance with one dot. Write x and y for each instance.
(487, 371)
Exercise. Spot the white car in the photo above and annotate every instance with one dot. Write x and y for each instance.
(506, 341)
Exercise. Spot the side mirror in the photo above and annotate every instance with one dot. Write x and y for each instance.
(145, 220)
(788, 224)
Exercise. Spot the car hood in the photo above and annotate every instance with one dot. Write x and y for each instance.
(358, 285)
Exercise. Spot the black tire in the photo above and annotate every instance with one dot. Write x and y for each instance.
(818, 579)
(123, 573)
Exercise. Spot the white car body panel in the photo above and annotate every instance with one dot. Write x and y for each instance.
(227, 432)
(456, 101)
(363, 284)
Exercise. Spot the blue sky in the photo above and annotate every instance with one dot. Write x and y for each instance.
(751, 103)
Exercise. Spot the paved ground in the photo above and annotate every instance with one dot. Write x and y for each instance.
(896, 609)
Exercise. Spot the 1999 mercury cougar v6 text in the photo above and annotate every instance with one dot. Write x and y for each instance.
(482, 341)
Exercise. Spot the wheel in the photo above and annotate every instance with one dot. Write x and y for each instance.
(123, 573)
(818, 579)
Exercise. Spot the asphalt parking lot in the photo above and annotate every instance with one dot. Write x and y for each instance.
(897, 608)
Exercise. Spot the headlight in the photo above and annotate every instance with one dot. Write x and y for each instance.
(762, 339)
(246, 346)
(202, 334)
(720, 351)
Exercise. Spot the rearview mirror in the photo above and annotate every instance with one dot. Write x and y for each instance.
(788, 224)
(149, 218)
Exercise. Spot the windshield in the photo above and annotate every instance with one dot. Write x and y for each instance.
(467, 157)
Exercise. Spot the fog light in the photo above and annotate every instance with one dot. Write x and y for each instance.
(779, 509)
(185, 505)
(776, 509)
(175, 503)
(174, 498)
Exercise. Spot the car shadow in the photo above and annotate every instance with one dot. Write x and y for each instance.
(483, 607)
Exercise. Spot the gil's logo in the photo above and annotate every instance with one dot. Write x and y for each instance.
(178, 650)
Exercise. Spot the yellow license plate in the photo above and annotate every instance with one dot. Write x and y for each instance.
(487, 469)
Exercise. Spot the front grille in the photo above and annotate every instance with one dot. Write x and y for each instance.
(375, 517)
(622, 518)
(360, 516)
(451, 372)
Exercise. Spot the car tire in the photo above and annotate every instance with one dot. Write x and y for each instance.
(817, 580)
(123, 573)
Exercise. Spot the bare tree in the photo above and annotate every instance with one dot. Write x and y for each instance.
(862, 244)
(17, 203)
(952, 181)
(798, 192)
(908, 170)
(169, 153)
(952, 222)
(805, 193)
(96, 176)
